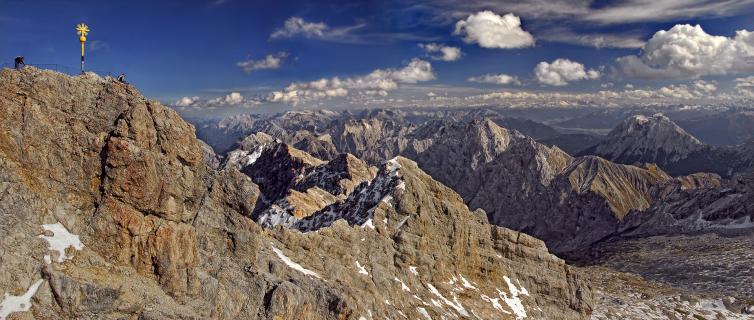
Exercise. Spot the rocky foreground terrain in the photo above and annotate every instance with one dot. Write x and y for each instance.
(112, 209)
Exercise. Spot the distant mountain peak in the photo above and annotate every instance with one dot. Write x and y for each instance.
(640, 138)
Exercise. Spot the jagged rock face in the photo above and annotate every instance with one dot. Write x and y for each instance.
(708, 207)
(140, 226)
(295, 184)
(430, 223)
(624, 187)
(320, 147)
(278, 168)
(659, 140)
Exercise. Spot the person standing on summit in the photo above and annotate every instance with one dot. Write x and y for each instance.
(19, 62)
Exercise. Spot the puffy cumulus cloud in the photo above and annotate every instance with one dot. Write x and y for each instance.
(271, 61)
(230, 100)
(441, 52)
(495, 79)
(233, 98)
(747, 82)
(745, 86)
(687, 52)
(490, 30)
(562, 71)
(187, 101)
(695, 90)
(376, 83)
(692, 93)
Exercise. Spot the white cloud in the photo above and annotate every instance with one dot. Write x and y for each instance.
(490, 30)
(441, 52)
(745, 86)
(745, 82)
(686, 51)
(233, 98)
(271, 61)
(297, 26)
(698, 93)
(611, 12)
(650, 10)
(495, 79)
(562, 71)
(596, 40)
(376, 83)
(187, 101)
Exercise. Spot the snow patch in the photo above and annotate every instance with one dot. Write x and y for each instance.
(404, 287)
(21, 303)
(466, 283)
(424, 313)
(293, 265)
(362, 270)
(495, 303)
(368, 224)
(513, 301)
(413, 270)
(453, 304)
(61, 240)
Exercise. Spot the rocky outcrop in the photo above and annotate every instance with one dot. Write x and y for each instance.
(708, 206)
(295, 184)
(432, 227)
(110, 209)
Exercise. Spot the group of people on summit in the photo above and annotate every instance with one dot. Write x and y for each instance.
(19, 63)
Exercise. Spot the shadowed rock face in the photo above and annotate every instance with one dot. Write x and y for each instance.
(166, 236)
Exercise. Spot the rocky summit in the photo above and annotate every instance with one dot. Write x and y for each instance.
(657, 139)
(112, 209)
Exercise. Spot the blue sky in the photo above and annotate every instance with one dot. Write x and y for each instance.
(198, 50)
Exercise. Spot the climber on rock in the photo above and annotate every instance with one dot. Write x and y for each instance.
(19, 62)
(122, 78)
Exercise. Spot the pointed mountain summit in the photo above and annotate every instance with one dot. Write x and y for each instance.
(657, 139)
(642, 139)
